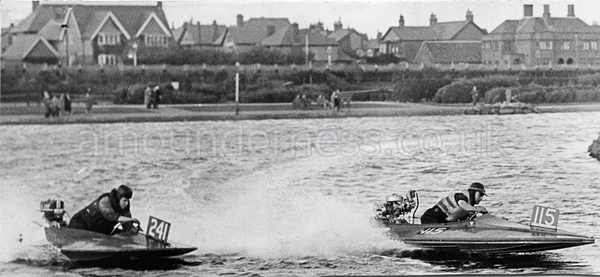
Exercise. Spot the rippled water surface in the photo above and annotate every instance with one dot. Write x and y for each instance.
(294, 197)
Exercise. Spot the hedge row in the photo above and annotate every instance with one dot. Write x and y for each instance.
(460, 90)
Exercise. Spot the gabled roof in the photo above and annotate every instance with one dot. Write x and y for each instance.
(51, 31)
(507, 27)
(316, 38)
(24, 45)
(35, 21)
(342, 33)
(452, 51)
(528, 25)
(438, 31)
(372, 44)
(283, 37)
(89, 17)
(195, 34)
(255, 29)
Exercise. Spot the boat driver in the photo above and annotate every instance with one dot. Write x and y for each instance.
(105, 212)
(393, 208)
(456, 206)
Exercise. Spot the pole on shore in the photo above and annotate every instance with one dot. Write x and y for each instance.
(237, 88)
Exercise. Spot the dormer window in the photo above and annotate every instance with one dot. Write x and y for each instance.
(109, 38)
(156, 40)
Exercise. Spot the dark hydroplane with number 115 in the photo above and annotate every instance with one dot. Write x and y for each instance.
(483, 234)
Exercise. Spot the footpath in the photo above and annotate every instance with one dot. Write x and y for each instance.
(20, 113)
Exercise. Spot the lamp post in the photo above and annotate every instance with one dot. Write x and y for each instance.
(135, 47)
(237, 88)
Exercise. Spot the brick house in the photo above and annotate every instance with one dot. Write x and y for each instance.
(405, 41)
(542, 40)
(350, 41)
(200, 36)
(87, 34)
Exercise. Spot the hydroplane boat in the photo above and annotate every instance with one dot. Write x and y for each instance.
(83, 245)
(484, 233)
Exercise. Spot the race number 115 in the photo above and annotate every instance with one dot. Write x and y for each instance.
(158, 229)
(544, 217)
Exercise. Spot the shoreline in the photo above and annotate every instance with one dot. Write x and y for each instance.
(20, 114)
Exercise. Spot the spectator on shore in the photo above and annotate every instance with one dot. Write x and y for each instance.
(305, 102)
(508, 95)
(147, 96)
(89, 103)
(55, 106)
(157, 96)
(335, 100)
(297, 102)
(67, 103)
(475, 95)
(48, 104)
(61, 104)
(321, 101)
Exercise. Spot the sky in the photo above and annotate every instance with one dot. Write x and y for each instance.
(365, 16)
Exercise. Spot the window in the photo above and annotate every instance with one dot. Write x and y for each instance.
(487, 45)
(155, 40)
(104, 59)
(546, 45)
(566, 45)
(109, 38)
(594, 45)
(586, 45)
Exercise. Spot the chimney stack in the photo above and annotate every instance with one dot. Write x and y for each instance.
(215, 31)
(527, 10)
(401, 21)
(35, 4)
(338, 25)
(295, 33)
(432, 20)
(159, 4)
(469, 16)
(240, 20)
(546, 11)
(199, 30)
(571, 12)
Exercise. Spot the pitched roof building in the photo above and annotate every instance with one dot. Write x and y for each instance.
(449, 52)
(350, 40)
(196, 35)
(405, 41)
(542, 40)
(83, 34)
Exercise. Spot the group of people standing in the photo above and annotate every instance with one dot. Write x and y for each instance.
(302, 102)
(57, 105)
(152, 96)
(62, 104)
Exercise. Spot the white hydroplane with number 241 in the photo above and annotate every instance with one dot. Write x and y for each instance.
(485, 233)
(83, 245)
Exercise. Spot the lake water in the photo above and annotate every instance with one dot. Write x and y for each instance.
(294, 197)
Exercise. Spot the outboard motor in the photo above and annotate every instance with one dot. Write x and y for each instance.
(53, 210)
(396, 207)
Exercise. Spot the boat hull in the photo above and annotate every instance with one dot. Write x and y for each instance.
(487, 234)
(82, 245)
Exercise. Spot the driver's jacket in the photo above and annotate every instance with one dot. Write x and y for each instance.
(99, 216)
(451, 208)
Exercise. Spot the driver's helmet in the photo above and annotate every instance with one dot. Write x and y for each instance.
(478, 187)
(394, 198)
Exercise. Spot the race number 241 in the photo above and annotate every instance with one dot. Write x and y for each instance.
(544, 217)
(158, 229)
